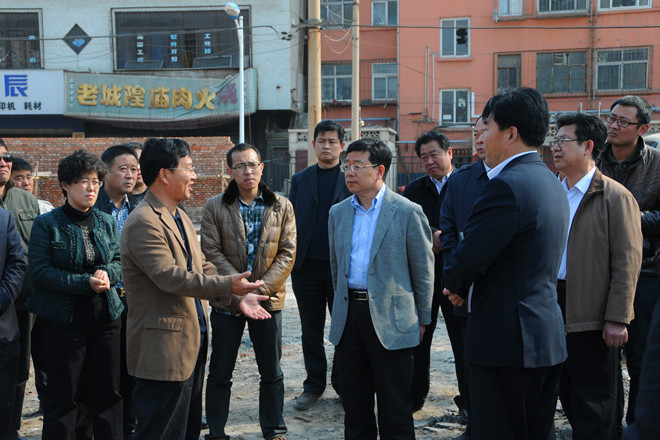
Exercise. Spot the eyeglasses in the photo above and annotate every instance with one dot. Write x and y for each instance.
(355, 168)
(96, 183)
(622, 122)
(186, 170)
(241, 166)
(7, 158)
(560, 142)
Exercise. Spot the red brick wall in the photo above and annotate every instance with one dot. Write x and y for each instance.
(208, 154)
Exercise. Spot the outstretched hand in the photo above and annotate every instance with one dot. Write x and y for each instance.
(250, 305)
(240, 286)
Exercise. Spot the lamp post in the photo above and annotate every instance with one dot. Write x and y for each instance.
(234, 12)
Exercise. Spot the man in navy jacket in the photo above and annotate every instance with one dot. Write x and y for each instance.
(511, 251)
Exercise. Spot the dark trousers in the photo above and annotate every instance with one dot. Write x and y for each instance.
(266, 337)
(83, 355)
(40, 377)
(513, 403)
(170, 410)
(312, 286)
(366, 367)
(588, 386)
(126, 382)
(25, 323)
(9, 360)
(646, 297)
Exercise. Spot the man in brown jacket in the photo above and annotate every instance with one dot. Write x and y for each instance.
(248, 228)
(596, 279)
(167, 283)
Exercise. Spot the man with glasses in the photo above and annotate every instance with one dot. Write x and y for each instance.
(248, 228)
(596, 279)
(382, 272)
(636, 166)
(313, 191)
(168, 282)
(25, 208)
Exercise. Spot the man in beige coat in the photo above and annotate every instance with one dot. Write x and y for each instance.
(597, 277)
(167, 283)
(248, 227)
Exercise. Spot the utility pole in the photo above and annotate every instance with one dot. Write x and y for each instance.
(313, 75)
(355, 81)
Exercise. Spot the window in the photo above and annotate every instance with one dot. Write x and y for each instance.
(336, 82)
(562, 5)
(337, 11)
(561, 72)
(611, 4)
(454, 36)
(179, 40)
(384, 82)
(454, 106)
(623, 69)
(509, 7)
(20, 46)
(384, 13)
(508, 72)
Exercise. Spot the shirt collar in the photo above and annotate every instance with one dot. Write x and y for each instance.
(498, 169)
(125, 204)
(439, 184)
(375, 203)
(583, 184)
(259, 197)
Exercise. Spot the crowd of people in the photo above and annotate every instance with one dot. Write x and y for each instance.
(544, 282)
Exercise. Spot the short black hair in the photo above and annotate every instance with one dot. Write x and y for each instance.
(20, 164)
(109, 155)
(2, 144)
(587, 128)
(159, 153)
(379, 153)
(135, 145)
(329, 125)
(524, 108)
(431, 136)
(644, 110)
(238, 148)
(72, 168)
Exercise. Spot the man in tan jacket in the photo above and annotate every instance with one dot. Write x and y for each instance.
(248, 228)
(597, 277)
(167, 283)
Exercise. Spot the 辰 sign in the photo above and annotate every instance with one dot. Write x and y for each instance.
(155, 98)
(31, 92)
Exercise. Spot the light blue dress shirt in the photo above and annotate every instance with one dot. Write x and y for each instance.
(364, 227)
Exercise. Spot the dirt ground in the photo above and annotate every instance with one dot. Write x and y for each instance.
(437, 420)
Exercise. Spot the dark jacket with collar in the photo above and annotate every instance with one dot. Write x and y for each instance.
(12, 269)
(57, 265)
(103, 202)
(25, 208)
(642, 179)
(305, 198)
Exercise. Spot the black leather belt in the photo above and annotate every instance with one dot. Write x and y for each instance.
(358, 295)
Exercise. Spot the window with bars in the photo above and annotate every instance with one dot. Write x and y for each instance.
(561, 72)
(384, 82)
(384, 13)
(562, 5)
(508, 72)
(507, 8)
(615, 4)
(20, 45)
(179, 40)
(336, 82)
(623, 69)
(454, 105)
(339, 12)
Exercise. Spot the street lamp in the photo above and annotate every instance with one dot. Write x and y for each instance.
(234, 12)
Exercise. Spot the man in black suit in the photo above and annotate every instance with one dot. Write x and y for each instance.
(12, 269)
(434, 149)
(313, 191)
(511, 251)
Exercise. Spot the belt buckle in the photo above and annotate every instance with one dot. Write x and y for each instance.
(121, 291)
(360, 295)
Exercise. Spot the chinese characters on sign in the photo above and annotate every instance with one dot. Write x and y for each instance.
(159, 97)
(31, 92)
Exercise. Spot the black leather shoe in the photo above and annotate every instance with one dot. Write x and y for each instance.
(306, 400)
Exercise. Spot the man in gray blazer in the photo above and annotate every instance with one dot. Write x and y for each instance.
(382, 274)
